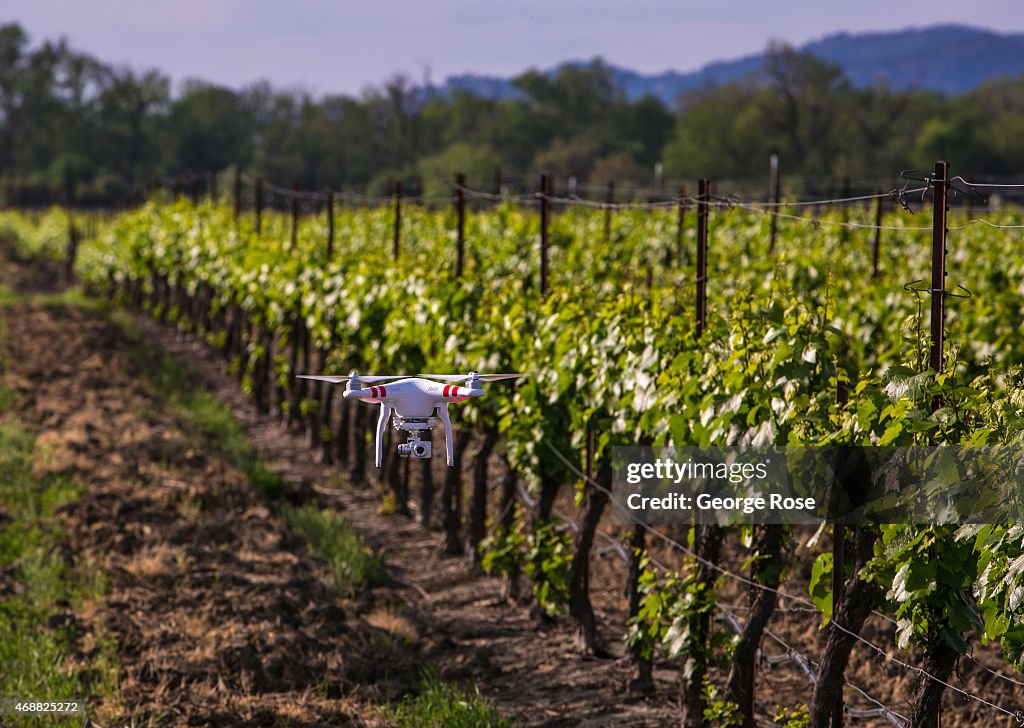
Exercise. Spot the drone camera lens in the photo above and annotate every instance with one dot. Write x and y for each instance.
(419, 450)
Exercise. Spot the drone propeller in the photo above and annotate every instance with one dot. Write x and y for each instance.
(463, 377)
(336, 378)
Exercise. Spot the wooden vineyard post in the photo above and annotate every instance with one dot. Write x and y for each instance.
(545, 189)
(330, 223)
(259, 205)
(702, 257)
(295, 216)
(776, 196)
(398, 218)
(877, 245)
(844, 235)
(460, 214)
(72, 250)
(609, 200)
(680, 226)
(940, 181)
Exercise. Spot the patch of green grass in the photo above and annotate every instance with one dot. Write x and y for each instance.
(73, 296)
(35, 655)
(76, 297)
(213, 419)
(441, 704)
(332, 539)
(8, 296)
(217, 422)
(8, 399)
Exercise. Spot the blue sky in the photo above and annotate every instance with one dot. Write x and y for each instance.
(326, 46)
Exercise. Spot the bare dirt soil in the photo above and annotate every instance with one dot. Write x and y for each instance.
(222, 618)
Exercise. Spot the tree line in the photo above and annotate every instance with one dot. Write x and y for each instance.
(77, 130)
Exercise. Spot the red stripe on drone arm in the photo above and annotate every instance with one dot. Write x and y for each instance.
(373, 392)
(383, 391)
(447, 387)
(455, 391)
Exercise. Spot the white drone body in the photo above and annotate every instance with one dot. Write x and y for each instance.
(415, 403)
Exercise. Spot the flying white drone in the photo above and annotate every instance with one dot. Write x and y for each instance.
(416, 403)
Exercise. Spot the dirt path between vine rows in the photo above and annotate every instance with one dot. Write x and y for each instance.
(218, 617)
(222, 618)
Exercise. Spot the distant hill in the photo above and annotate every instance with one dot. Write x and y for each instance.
(950, 59)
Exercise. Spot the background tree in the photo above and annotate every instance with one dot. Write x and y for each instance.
(74, 129)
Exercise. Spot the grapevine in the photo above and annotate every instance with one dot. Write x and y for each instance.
(613, 350)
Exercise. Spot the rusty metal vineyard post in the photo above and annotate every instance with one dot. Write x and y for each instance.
(844, 234)
(330, 223)
(259, 205)
(71, 251)
(776, 196)
(398, 218)
(609, 200)
(545, 213)
(680, 226)
(295, 216)
(877, 245)
(702, 257)
(460, 214)
(940, 183)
